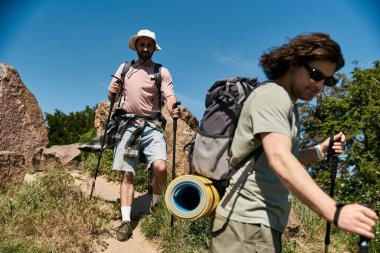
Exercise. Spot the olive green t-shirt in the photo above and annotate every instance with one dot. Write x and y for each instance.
(263, 199)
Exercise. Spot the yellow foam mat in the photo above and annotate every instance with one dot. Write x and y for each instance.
(191, 197)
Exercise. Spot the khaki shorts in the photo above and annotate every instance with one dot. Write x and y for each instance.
(152, 143)
(232, 236)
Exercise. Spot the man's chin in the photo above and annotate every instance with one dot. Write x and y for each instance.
(307, 98)
(145, 57)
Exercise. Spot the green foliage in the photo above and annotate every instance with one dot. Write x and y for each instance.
(105, 167)
(184, 236)
(354, 108)
(71, 128)
(24, 245)
(88, 136)
(51, 215)
(143, 179)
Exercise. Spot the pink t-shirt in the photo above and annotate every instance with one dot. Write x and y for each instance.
(140, 93)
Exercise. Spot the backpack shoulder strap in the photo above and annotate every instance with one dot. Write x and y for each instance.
(157, 75)
(243, 177)
(127, 66)
(157, 81)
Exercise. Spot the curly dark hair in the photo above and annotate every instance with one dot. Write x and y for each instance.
(301, 49)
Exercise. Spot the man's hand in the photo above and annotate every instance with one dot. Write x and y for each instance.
(176, 111)
(172, 105)
(338, 146)
(357, 219)
(114, 88)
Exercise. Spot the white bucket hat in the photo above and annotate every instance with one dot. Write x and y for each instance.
(143, 33)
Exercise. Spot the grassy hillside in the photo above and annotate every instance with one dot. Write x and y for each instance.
(53, 215)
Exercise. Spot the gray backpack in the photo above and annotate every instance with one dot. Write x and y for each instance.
(210, 153)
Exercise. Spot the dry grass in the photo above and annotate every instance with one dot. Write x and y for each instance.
(51, 215)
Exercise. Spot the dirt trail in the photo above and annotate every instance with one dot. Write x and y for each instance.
(111, 191)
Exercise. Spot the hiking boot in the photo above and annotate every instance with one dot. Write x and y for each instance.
(124, 231)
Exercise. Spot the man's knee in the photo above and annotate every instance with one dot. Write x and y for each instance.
(128, 177)
(159, 166)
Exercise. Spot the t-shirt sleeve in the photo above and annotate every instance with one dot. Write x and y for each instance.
(271, 111)
(166, 83)
(117, 74)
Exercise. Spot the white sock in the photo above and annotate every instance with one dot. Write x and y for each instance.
(126, 213)
(155, 199)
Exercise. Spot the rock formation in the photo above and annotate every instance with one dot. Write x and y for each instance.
(66, 155)
(12, 169)
(187, 126)
(22, 126)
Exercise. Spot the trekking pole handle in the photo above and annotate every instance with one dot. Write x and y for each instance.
(176, 104)
(333, 157)
(118, 81)
(363, 241)
(330, 150)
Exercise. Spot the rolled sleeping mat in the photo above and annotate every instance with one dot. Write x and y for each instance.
(191, 197)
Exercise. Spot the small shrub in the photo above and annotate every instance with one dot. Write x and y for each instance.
(184, 236)
(24, 245)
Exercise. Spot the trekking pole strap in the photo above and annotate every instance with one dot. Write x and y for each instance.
(337, 213)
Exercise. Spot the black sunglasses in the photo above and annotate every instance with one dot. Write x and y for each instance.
(317, 76)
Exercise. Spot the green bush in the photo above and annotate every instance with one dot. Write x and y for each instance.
(184, 236)
(68, 128)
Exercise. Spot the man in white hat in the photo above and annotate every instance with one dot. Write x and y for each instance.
(141, 98)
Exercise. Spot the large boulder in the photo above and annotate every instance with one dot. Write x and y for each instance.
(66, 155)
(187, 126)
(22, 126)
(101, 115)
(12, 169)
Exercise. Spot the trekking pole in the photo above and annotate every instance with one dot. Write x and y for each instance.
(334, 160)
(174, 148)
(363, 241)
(113, 97)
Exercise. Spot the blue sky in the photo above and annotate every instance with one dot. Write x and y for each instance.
(66, 50)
